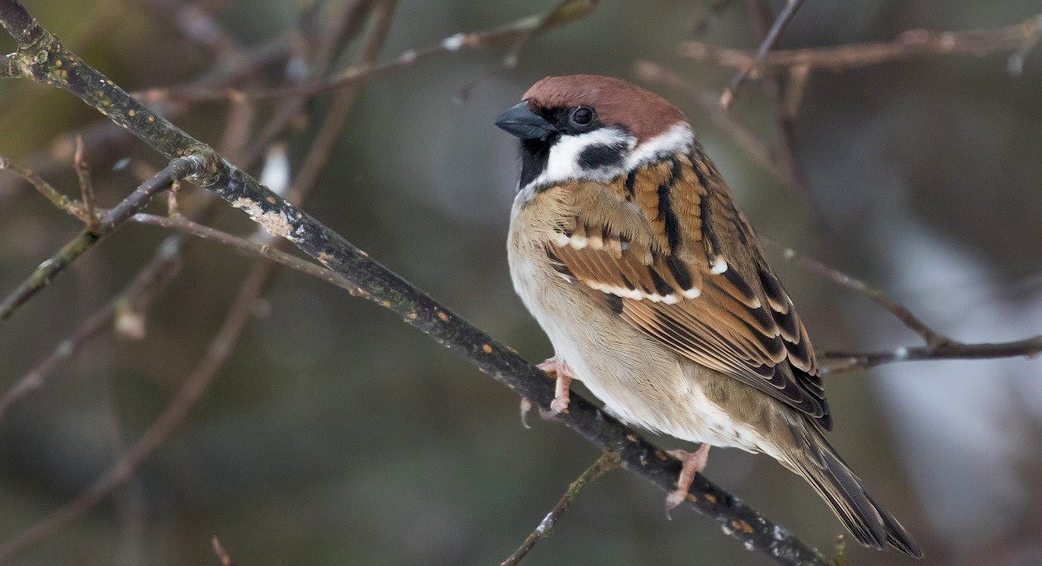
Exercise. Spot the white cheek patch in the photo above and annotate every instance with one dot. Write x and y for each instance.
(564, 163)
(677, 138)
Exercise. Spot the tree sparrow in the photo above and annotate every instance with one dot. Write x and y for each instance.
(628, 248)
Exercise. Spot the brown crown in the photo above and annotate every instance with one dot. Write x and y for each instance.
(643, 113)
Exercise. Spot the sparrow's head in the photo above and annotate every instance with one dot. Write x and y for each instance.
(591, 127)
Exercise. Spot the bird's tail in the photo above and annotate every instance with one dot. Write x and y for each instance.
(869, 522)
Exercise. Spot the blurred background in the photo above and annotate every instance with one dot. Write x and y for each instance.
(335, 434)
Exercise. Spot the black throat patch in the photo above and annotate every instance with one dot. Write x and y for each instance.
(534, 157)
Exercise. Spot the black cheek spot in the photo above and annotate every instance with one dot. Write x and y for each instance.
(597, 156)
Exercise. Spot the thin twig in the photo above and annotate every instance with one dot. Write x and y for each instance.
(752, 143)
(368, 71)
(902, 313)
(606, 463)
(565, 11)
(186, 226)
(847, 361)
(43, 275)
(222, 554)
(59, 200)
(773, 35)
(197, 25)
(938, 346)
(156, 434)
(86, 187)
(1019, 37)
(136, 296)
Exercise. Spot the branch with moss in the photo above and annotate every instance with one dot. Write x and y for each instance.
(40, 56)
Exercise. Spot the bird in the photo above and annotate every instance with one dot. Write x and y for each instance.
(628, 248)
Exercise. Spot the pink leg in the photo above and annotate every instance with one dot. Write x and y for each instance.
(564, 374)
(693, 463)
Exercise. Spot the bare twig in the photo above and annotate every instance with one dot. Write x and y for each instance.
(368, 71)
(186, 226)
(151, 279)
(59, 200)
(86, 187)
(913, 322)
(565, 11)
(1019, 37)
(222, 554)
(938, 346)
(753, 144)
(38, 52)
(773, 35)
(137, 294)
(167, 422)
(607, 462)
(113, 219)
(847, 361)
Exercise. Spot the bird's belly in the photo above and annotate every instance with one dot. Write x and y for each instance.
(640, 381)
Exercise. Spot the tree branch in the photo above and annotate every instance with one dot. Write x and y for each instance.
(167, 422)
(847, 361)
(900, 312)
(752, 143)
(382, 286)
(1020, 37)
(938, 346)
(43, 275)
(521, 29)
(772, 37)
(606, 463)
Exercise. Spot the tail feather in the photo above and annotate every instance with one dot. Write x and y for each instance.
(869, 522)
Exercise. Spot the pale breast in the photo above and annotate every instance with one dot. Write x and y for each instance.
(640, 381)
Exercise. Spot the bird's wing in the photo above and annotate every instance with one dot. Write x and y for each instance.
(666, 249)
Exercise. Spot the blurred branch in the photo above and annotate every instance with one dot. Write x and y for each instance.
(938, 346)
(355, 74)
(222, 554)
(59, 200)
(160, 270)
(564, 12)
(178, 168)
(134, 298)
(847, 361)
(167, 422)
(86, 188)
(607, 462)
(40, 55)
(103, 137)
(902, 313)
(197, 25)
(753, 144)
(772, 37)
(264, 251)
(784, 90)
(1020, 37)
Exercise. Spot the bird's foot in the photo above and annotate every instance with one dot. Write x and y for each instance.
(564, 374)
(693, 463)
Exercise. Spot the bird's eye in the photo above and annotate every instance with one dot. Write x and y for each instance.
(582, 116)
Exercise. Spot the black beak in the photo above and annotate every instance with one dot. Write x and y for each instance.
(523, 123)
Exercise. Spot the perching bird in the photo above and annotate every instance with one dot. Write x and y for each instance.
(628, 248)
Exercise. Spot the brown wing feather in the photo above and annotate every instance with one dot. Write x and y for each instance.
(690, 274)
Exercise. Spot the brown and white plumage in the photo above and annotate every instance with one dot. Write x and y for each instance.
(628, 248)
